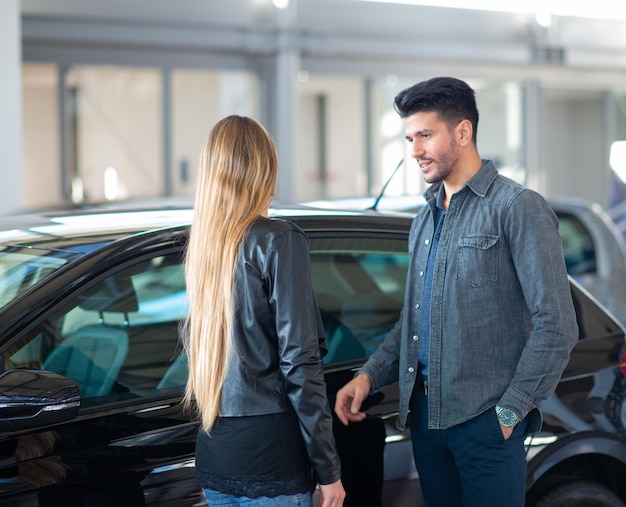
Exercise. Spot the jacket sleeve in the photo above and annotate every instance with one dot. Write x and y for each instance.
(300, 347)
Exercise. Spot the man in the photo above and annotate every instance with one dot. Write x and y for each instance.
(488, 321)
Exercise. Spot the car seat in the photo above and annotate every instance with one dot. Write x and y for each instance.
(176, 374)
(93, 355)
(342, 344)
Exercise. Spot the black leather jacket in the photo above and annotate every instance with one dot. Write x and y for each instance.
(276, 363)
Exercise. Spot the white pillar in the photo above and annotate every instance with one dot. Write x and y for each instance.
(10, 106)
(287, 67)
(534, 124)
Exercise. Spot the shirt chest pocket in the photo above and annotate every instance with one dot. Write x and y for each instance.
(478, 260)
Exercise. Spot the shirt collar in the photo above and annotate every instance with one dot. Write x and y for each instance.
(441, 195)
(482, 180)
(479, 183)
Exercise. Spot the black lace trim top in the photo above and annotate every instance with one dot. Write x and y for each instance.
(254, 456)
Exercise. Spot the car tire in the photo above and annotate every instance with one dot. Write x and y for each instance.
(580, 494)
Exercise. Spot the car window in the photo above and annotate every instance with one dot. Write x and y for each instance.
(578, 248)
(359, 284)
(22, 268)
(118, 338)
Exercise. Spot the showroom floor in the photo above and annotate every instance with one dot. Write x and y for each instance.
(402, 494)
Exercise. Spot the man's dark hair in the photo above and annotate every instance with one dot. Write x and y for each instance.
(452, 99)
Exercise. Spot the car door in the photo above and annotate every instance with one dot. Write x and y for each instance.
(116, 337)
(359, 272)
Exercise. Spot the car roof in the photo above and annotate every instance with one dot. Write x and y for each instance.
(412, 202)
(81, 238)
(106, 223)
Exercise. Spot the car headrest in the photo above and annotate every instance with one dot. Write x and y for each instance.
(112, 295)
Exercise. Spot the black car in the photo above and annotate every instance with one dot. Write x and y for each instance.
(92, 371)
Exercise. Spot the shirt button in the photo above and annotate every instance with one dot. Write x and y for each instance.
(417, 305)
(421, 273)
(411, 369)
(426, 241)
(415, 337)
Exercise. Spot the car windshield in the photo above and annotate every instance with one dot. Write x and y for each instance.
(22, 267)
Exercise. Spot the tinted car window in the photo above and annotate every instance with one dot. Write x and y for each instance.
(578, 247)
(118, 338)
(22, 268)
(359, 286)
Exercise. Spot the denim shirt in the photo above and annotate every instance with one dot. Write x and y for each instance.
(502, 317)
(424, 329)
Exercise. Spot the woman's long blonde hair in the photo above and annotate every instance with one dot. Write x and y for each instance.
(236, 181)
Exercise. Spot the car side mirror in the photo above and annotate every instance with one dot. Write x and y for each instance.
(35, 398)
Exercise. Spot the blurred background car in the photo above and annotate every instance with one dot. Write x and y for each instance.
(92, 373)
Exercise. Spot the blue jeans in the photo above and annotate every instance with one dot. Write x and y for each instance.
(217, 498)
(470, 464)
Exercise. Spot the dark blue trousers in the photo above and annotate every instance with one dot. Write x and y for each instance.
(470, 464)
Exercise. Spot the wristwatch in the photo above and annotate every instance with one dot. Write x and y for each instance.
(506, 416)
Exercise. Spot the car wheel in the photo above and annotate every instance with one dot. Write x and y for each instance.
(580, 494)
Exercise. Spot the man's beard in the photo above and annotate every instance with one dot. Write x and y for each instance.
(444, 165)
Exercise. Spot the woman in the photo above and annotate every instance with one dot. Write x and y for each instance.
(254, 335)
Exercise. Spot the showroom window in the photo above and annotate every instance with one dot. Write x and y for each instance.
(121, 132)
(351, 140)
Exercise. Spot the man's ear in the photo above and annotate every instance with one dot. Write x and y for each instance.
(464, 132)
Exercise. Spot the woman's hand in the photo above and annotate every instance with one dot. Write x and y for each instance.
(331, 495)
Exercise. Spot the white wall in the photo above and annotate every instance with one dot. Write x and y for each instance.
(575, 149)
(199, 100)
(41, 162)
(345, 138)
(119, 126)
